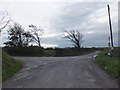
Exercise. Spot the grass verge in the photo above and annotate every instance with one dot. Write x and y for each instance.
(9, 66)
(109, 64)
(0, 65)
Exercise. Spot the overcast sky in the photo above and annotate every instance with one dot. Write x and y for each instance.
(90, 18)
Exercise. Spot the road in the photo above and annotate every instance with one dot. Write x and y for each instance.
(60, 72)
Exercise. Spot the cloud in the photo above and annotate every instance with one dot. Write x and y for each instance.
(90, 18)
(59, 1)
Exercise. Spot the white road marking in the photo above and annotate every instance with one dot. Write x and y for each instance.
(91, 80)
(22, 76)
(26, 69)
(95, 56)
(35, 66)
(30, 77)
(90, 67)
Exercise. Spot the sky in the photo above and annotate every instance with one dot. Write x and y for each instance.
(89, 18)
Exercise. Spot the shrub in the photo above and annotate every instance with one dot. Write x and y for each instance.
(24, 51)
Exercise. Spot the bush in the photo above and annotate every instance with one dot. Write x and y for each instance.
(72, 51)
(24, 51)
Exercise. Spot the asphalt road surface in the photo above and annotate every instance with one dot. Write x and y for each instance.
(60, 72)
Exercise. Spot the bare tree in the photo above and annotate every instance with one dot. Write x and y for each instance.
(75, 37)
(4, 20)
(36, 34)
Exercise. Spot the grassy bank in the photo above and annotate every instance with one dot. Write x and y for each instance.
(109, 64)
(0, 65)
(9, 66)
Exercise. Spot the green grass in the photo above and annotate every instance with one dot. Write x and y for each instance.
(109, 64)
(0, 65)
(9, 66)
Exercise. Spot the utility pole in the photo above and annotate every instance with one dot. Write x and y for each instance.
(109, 53)
(110, 27)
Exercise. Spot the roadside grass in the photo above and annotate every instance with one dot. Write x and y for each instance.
(0, 74)
(109, 64)
(9, 66)
(0, 65)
